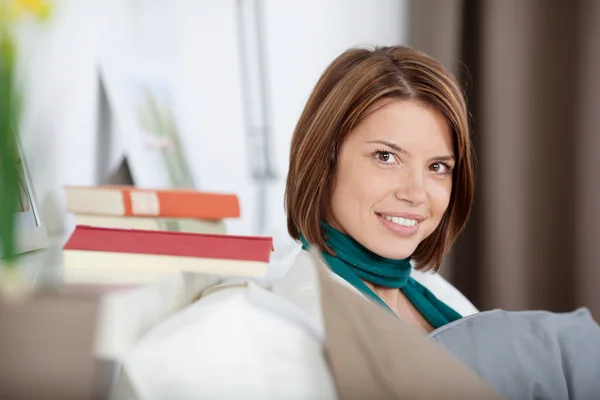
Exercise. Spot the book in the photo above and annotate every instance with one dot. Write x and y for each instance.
(132, 201)
(133, 256)
(190, 225)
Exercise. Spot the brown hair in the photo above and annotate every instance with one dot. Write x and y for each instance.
(349, 86)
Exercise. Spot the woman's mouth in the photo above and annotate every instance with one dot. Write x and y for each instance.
(401, 221)
(403, 226)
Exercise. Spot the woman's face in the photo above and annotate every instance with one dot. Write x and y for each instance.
(393, 178)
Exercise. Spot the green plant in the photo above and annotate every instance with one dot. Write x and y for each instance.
(10, 12)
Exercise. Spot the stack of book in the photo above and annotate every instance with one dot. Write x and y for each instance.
(165, 210)
(130, 236)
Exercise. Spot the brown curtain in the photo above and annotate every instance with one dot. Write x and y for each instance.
(531, 71)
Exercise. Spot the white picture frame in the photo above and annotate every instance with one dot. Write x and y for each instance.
(142, 103)
(30, 232)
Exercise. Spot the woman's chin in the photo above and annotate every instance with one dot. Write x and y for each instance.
(392, 250)
(384, 244)
(395, 255)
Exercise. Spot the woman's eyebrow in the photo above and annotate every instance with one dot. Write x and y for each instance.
(391, 145)
(399, 149)
(442, 158)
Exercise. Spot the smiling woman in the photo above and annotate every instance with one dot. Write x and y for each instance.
(381, 175)
(393, 180)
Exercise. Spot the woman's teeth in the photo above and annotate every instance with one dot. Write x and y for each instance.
(401, 221)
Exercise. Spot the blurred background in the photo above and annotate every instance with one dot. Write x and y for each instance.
(206, 94)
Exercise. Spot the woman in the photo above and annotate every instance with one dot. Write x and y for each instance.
(381, 176)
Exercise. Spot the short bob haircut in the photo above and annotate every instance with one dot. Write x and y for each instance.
(349, 86)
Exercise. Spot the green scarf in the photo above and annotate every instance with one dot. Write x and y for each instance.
(356, 264)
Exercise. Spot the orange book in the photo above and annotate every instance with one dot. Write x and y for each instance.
(132, 201)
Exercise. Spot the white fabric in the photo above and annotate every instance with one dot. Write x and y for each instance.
(300, 286)
(237, 342)
(126, 315)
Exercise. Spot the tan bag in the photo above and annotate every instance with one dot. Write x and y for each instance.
(373, 355)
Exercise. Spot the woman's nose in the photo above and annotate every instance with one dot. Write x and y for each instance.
(411, 188)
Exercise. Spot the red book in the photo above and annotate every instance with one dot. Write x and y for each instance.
(108, 256)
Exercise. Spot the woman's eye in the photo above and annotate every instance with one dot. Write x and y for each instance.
(439, 168)
(385, 157)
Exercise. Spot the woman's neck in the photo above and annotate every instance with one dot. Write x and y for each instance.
(402, 307)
